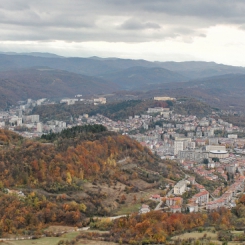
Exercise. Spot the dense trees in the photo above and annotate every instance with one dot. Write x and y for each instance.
(7, 137)
(65, 164)
(154, 227)
(190, 106)
(34, 212)
(76, 131)
(60, 163)
(114, 110)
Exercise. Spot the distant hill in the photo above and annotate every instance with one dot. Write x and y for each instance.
(201, 69)
(48, 83)
(190, 106)
(138, 77)
(36, 54)
(217, 84)
(225, 92)
(77, 65)
(95, 66)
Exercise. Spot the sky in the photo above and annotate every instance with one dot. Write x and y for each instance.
(155, 30)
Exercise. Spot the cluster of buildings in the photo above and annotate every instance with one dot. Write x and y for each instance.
(72, 101)
(195, 144)
(228, 198)
(202, 200)
(20, 120)
(28, 125)
(196, 201)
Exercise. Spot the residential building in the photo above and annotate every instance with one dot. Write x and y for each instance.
(200, 198)
(178, 146)
(173, 201)
(144, 209)
(175, 209)
(180, 187)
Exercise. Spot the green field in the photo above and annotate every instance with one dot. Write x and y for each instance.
(129, 209)
(89, 242)
(198, 235)
(55, 240)
(42, 241)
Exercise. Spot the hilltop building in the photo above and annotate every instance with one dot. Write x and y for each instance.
(164, 98)
(100, 100)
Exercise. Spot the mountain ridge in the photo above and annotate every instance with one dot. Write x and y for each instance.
(95, 66)
(47, 83)
(138, 76)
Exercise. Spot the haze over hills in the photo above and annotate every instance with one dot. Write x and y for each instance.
(44, 82)
(201, 69)
(36, 54)
(138, 77)
(21, 77)
(96, 66)
(226, 91)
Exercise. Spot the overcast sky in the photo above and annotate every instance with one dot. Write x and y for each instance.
(178, 30)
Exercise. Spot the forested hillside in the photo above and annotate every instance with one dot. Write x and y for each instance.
(66, 178)
(114, 110)
(74, 156)
(190, 106)
(62, 175)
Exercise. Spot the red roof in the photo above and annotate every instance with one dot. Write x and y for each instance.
(201, 194)
(175, 207)
(155, 196)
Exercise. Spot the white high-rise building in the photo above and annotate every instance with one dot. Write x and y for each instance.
(178, 146)
(19, 121)
(39, 127)
(31, 118)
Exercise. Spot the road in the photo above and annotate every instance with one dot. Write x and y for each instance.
(158, 207)
(117, 217)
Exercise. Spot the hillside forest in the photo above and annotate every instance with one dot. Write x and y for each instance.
(53, 173)
(45, 182)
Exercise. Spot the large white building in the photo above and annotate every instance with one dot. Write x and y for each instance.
(19, 121)
(69, 101)
(164, 98)
(180, 187)
(201, 198)
(40, 101)
(100, 100)
(31, 118)
(218, 154)
(39, 127)
(232, 136)
(193, 155)
(157, 110)
(178, 146)
(215, 148)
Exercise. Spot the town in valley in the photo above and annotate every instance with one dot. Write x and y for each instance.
(206, 148)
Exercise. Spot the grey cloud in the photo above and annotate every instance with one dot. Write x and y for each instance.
(133, 24)
(14, 5)
(114, 20)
